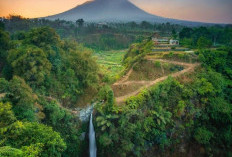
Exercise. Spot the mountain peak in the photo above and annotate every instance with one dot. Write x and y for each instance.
(111, 11)
(105, 10)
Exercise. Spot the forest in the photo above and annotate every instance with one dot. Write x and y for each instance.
(39, 72)
(97, 36)
(48, 68)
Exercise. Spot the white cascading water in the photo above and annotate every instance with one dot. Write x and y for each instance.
(92, 140)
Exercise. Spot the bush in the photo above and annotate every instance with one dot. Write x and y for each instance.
(203, 136)
(103, 92)
(8, 151)
(28, 134)
(157, 64)
(204, 43)
(173, 48)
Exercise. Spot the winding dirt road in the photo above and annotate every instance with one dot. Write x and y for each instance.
(146, 84)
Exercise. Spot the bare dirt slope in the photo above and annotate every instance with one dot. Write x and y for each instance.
(147, 84)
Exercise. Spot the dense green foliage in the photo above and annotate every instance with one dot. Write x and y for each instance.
(40, 73)
(174, 114)
(28, 138)
(21, 97)
(98, 36)
(137, 52)
(66, 124)
(168, 115)
(204, 37)
(61, 69)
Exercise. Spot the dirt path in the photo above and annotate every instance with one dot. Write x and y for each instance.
(147, 84)
(124, 78)
(172, 62)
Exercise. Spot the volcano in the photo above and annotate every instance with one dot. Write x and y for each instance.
(112, 11)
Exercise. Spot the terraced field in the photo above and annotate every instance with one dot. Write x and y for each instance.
(111, 62)
(126, 87)
(155, 68)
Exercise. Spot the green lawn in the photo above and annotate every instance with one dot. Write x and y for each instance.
(111, 62)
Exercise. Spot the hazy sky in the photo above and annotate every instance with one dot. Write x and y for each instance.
(217, 11)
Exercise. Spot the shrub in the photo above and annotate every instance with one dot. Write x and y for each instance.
(157, 64)
(203, 136)
(173, 47)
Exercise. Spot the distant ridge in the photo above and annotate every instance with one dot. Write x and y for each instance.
(114, 11)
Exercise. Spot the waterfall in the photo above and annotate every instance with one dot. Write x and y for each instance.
(92, 141)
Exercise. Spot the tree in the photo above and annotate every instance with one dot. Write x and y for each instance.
(216, 59)
(80, 61)
(25, 151)
(33, 136)
(203, 42)
(132, 24)
(21, 97)
(66, 124)
(8, 151)
(186, 33)
(174, 34)
(103, 92)
(2, 25)
(4, 46)
(26, 138)
(6, 114)
(146, 25)
(43, 37)
(215, 34)
(203, 136)
(188, 42)
(80, 22)
(30, 63)
(4, 40)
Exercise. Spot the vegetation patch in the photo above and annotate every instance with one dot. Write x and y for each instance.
(150, 70)
(181, 57)
(124, 89)
(110, 64)
(41, 74)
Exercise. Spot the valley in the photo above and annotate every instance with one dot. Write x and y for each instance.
(117, 89)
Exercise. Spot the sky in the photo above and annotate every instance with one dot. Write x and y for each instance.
(213, 11)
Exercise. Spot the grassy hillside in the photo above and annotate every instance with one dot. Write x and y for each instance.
(111, 64)
(168, 116)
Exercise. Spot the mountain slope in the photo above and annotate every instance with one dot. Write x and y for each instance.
(111, 11)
